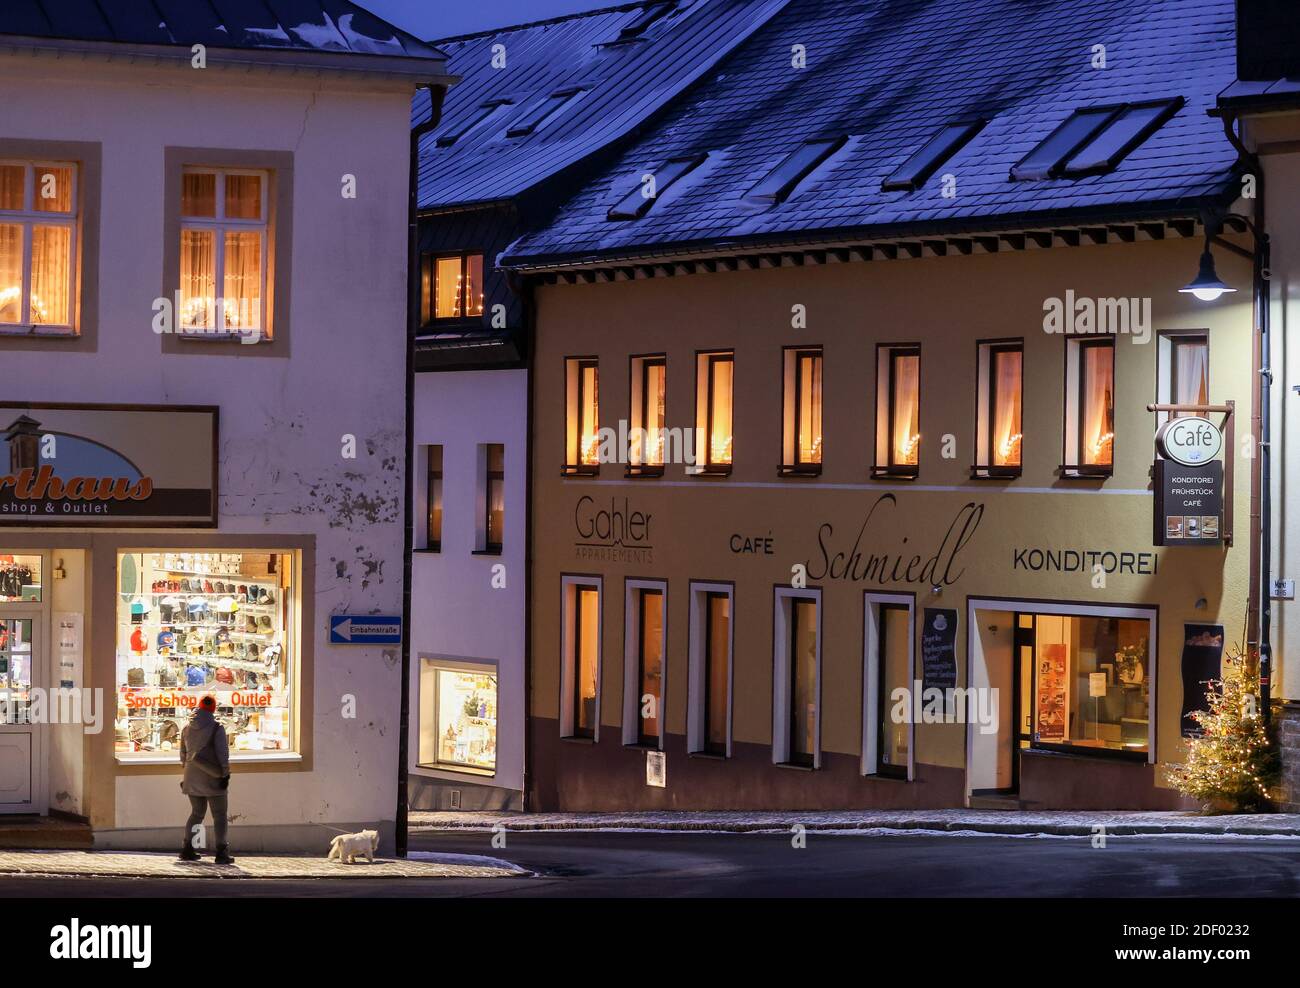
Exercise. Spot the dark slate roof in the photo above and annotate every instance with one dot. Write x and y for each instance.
(891, 73)
(1276, 94)
(625, 84)
(320, 26)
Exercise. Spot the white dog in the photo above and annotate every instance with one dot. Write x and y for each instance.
(348, 847)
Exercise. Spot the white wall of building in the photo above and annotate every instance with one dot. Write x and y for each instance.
(282, 420)
(456, 612)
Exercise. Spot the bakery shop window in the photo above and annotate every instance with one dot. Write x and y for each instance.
(1087, 680)
(458, 716)
(195, 623)
(20, 579)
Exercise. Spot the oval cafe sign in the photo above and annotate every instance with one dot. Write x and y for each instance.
(1189, 440)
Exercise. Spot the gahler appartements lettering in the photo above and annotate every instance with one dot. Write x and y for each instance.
(936, 569)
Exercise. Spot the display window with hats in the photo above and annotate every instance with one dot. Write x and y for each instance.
(197, 623)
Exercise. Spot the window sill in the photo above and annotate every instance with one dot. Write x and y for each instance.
(799, 470)
(979, 472)
(480, 773)
(35, 332)
(494, 551)
(569, 470)
(1072, 471)
(796, 766)
(895, 473)
(711, 472)
(236, 758)
(203, 336)
(643, 473)
(1087, 754)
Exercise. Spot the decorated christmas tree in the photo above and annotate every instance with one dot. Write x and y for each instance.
(1234, 765)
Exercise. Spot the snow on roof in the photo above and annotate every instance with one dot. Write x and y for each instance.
(890, 75)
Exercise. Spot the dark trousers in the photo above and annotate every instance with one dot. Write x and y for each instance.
(198, 810)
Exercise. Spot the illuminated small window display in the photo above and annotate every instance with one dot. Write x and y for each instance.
(458, 723)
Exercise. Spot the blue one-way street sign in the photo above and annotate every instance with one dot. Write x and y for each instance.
(365, 629)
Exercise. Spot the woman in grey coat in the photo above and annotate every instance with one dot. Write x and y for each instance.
(205, 755)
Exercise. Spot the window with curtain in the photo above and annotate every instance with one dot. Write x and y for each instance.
(224, 237)
(999, 423)
(582, 416)
(898, 411)
(451, 287)
(649, 422)
(715, 381)
(583, 661)
(803, 681)
(650, 665)
(1190, 370)
(1097, 403)
(717, 670)
(38, 236)
(802, 453)
(494, 484)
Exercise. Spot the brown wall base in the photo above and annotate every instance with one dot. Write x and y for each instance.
(573, 776)
(1052, 781)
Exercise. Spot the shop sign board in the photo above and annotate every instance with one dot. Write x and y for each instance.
(108, 465)
(365, 629)
(938, 649)
(1188, 503)
(1190, 440)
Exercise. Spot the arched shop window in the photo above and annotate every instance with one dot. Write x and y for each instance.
(193, 623)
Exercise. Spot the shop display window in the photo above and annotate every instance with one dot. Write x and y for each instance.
(20, 579)
(458, 722)
(1091, 682)
(193, 623)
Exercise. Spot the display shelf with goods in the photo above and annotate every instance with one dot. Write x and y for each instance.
(197, 623)
(20, 579)
(459, 732)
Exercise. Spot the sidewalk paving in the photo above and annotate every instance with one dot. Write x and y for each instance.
(140, 864)
(1060, 823)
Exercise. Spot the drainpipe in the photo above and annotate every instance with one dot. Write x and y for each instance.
(408, 514)
(1263, 313)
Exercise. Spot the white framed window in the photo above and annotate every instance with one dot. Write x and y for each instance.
(1089, 407)
(649, 425)
(999, 422)
(715, 379)
(801, 438)
(1182, 371)
(710, 668)
(645, 634)
(796, 677)
(38, 247)
(581, 416)
(888, 663)
(580, 638)
(223, 255)
(458, 715)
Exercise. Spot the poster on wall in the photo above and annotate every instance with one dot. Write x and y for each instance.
(939, 649)
(67, 641)
(117, 465)
(1202, 662)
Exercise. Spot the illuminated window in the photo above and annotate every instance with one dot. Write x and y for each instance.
(643, 694)
(648, 420)
(582, 416)
(38, 247)
(1089, 408)
(709, 669)
(1183, 370)
(714, 384)
(898, 411)
(999, 437)
(193, 623)
(20, 578)
(458, 715)
(802, 442)
(433, 499)
(580, 700)
(797, 678)
(492, 532)
(451, 287)
(224, 233)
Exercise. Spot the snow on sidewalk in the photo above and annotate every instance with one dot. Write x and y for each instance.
(1062, 823)
(139, 864)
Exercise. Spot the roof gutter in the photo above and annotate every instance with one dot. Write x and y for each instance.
(426, 71)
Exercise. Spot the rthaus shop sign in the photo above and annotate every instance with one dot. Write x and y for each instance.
(108, 465)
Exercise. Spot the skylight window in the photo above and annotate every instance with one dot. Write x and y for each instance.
(1094, 139)
(542, 112)
(650, 13)
(637, 203)
(1126, 132)
(785, 177)
(913, 172)
(485, 111)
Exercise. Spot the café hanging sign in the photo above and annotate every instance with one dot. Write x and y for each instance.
(108, 466)
(1188, 481)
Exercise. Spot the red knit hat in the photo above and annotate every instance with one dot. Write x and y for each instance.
(208, 703)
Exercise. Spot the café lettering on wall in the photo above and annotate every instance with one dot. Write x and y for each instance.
(108, 465)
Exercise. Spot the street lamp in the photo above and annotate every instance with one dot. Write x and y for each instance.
(1207, 286)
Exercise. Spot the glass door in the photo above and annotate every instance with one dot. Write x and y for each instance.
(1023, 693)
(20, 675)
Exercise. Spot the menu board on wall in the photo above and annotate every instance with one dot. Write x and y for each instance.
(1188, 503)
(938, 649)
(1202, 664)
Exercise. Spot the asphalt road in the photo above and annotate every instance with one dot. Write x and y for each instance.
(707, 865)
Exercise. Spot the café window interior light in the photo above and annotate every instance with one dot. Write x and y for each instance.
(582, 419)
(802, 452)
(715, 380)
(898, 411)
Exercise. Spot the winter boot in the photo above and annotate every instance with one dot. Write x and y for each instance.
(223, 855)
(188, 853)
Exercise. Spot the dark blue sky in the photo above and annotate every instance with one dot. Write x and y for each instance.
(443, 18)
